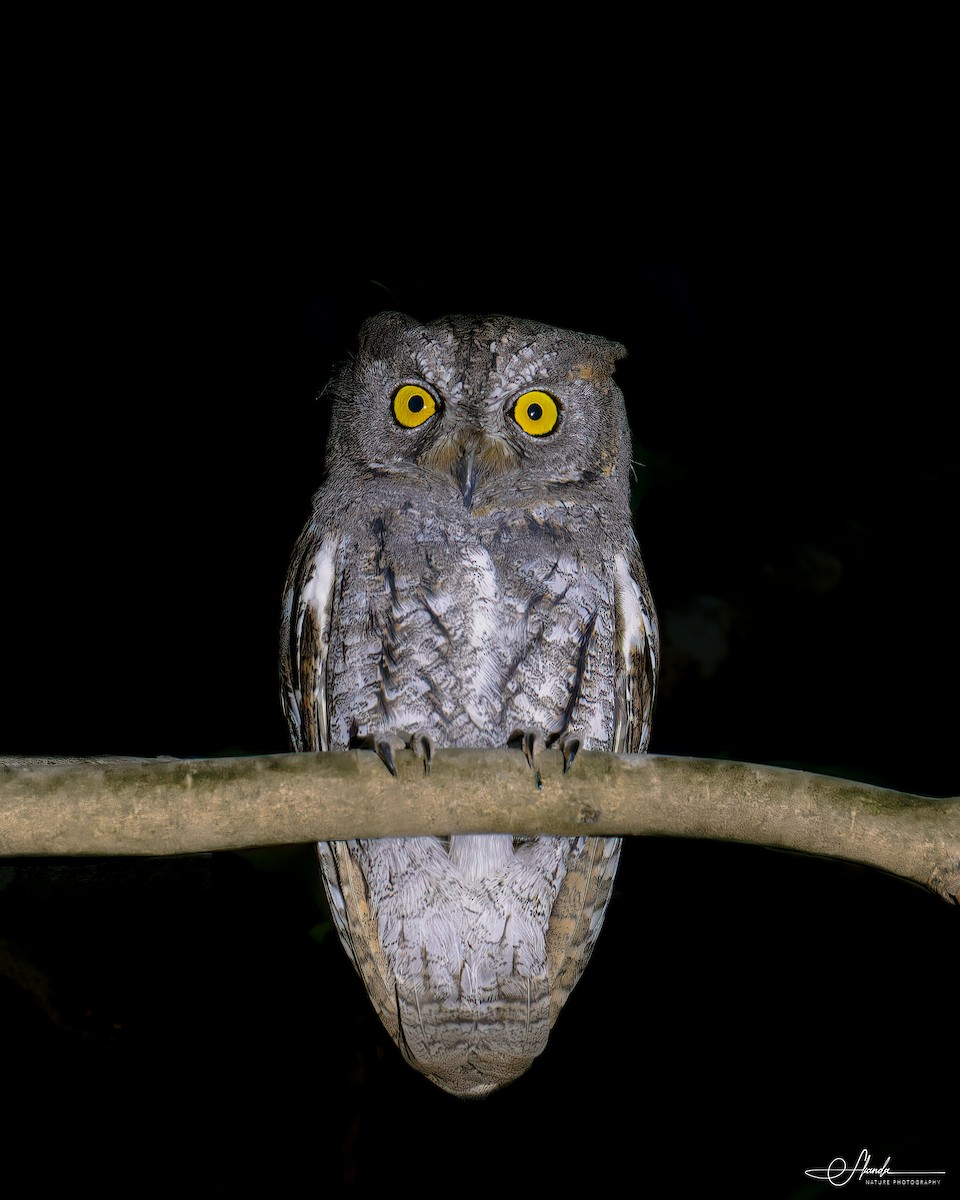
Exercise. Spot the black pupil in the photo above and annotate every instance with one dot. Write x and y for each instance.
(416, 403)
(534, 412)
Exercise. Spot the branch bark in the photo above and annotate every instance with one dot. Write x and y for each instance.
(124, 806)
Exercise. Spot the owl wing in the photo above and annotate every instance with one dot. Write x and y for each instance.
(307, 618)
(348, 897)
(638, 647)
(305, 638)
(582, 901)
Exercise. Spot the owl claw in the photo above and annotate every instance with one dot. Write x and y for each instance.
(386, 744)
(422, 747)
(569, 745)
(532, 745)
(384, 749)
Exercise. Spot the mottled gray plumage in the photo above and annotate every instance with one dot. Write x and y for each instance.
(470, 576)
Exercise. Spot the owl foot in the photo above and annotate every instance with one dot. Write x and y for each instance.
(533, 743)
(568, 745)
(385, 744)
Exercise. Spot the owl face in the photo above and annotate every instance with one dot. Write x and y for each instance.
(487, 407)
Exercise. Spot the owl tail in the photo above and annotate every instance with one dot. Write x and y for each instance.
(468, 977)
(473, 1050)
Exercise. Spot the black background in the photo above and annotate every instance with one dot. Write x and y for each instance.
(748, 1014)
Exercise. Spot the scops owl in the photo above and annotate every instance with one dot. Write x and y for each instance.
(470, 577)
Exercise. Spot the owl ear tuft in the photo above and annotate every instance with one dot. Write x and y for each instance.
(612, 352)
(596, 359)
(386, 327)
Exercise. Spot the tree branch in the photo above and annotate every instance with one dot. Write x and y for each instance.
(123, 806)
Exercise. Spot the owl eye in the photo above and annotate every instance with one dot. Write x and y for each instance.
(536, 413)
(412, 405)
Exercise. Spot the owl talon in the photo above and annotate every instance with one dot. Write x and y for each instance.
(386, 744)
(384, 749)
(422, 747)
(533, 745)
(569, 746)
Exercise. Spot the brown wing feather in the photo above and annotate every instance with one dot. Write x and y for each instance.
(347, 893)
(581, 903)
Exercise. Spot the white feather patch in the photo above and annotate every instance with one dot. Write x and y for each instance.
(317, 598)
(318, 590)
(635, 630)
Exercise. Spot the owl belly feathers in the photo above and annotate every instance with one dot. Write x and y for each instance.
(448, 602)
(471, 630)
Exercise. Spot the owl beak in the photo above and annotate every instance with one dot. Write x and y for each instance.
(470, 460)
(467, 474)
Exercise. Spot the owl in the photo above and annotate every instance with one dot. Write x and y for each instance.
(470, 577)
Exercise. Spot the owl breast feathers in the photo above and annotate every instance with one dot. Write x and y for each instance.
(470, 577)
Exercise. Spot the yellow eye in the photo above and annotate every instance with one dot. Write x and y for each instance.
(412, 405)
(536, 413)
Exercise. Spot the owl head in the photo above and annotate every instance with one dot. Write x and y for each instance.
(494, 409)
